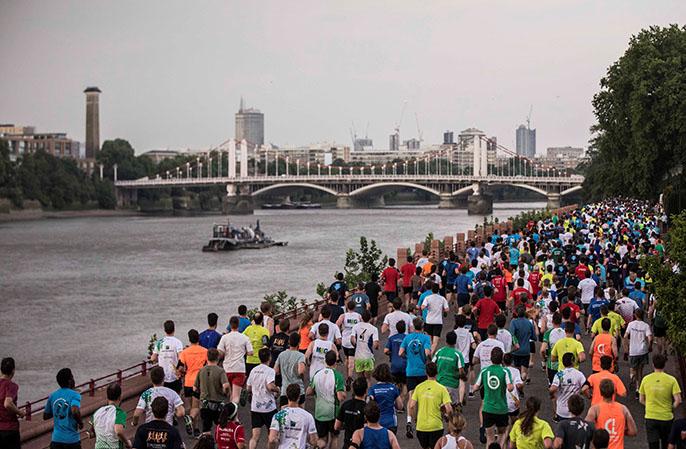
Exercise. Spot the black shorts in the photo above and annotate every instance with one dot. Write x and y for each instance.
(10, 439)
(433, 330)
(399, 378)
(349, 352)
(407, 290)
(514, 414)
(390, 296)
(55, 445)
(325, 428)
(521, 360)
(413, 381)
(450, 288)
(551, 375)
(208, 418)
(188, 392)
(462, 299)
(427, 440)
(261, 419)
(374, 307)
(483, 333)
(636, 361)
(659, 332)
(494, 419)
(176, 385)
(657, 430)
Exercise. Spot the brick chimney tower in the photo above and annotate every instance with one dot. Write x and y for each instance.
(92, 121)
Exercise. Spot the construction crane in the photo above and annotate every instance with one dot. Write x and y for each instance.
(402, 113)
(353, 134)
(366, 132)
(528, 117)
(419, 131)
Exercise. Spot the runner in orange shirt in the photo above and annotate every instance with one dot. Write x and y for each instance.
(594, 381)
(603, 345)
(612, 416)
(193, 359)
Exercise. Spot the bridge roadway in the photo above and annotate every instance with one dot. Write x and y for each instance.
(538, 387)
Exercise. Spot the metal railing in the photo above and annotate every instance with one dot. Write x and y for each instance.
(93, 385)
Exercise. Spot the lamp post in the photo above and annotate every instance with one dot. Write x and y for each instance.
(329, 170)
(288, 160)
(297, 167)
(178, 170)
(209, 167)
(395, 172)
(188, 169)
(319, 169)
(308, 168)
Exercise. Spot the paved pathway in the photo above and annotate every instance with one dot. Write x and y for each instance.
(538, 387)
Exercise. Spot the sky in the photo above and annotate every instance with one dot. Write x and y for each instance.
(172, 72)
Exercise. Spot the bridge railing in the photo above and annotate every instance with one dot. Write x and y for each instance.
(140, 369)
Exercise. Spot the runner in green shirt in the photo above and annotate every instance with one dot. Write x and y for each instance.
(496, 382)
(450, 364)
(108, 422)
(329, 387)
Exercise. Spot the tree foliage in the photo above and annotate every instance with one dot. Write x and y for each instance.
(129, 166)
(670, 284)
(640, 134)
(362, 263)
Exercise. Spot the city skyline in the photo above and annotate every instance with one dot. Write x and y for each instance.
(172, 76)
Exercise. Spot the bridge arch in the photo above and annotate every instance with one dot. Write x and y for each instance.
(367, 188)
(571, 190)
(466, 189)
(294, 184)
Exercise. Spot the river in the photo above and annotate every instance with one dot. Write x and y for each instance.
(88, 293)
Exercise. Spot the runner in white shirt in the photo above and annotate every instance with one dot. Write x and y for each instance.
(346, 322)
(639, 338)
(391, 319)
(482, 353)
(626, 306)
(513, 397)
(166, 353)
(362, 334)
(504, 335)
(566, 383)
(587, 287)
(263, 404)
(174, 401)
(292, 427)
(435, 306)
(316, 351)
(334, 332)
(234, 347)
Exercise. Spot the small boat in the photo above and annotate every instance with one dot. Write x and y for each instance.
(292, 205)
(229, 238)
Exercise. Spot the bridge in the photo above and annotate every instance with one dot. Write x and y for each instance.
(361, 185)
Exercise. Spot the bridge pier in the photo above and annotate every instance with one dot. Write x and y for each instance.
(126, 198)
(480, 204)
(554, 201)
(447, 201)
(368, 202)
(343, 201)
(237, 202)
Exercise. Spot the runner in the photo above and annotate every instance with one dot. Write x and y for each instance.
(333, 334)
(496, 382)
(638, 341)
(387, 396)
(9, 410)
(262, 386)
(482, 353)
(351, 414)
(278, 343)
(346, 323)
(233, 348)
(229, 433)
(603, 345)
(523, 332)
(416, 348)
(454, 439)
(393, 317)
(365, 339)
(594, 381)
(568, 344)
(158, 433)
(292, 426)
(209, 338)
(373, 436)
(329, 390)
(530, 431)
(568, 382)
(486, 309)
(173, 400)
(317, 350)
(407, 271)
(390, 277)
(290, 365)
(108, 422)
(398, 364)
(360, 298)
(259, 338)
(514, 396)
(574, 433)
(436, 306)
(64, 406)
(165, 353)
(192, 359)
(210, 389)
(450, 364)
(429, 401)
(661, 394)
(612, 416)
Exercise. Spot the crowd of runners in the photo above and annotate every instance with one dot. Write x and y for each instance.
(461, 331)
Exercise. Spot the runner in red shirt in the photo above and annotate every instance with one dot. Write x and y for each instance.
(229, 433)
(407, 271)
(581, 270)
(517, 293)
(499, 289)
(390, 278)
(575, 311)
(487, 310)
(535, 280)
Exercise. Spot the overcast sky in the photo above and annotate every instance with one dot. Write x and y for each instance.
(172, 72)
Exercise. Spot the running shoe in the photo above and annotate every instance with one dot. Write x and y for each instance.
(409, 433)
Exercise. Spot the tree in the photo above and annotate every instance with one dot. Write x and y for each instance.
(640, 110)
(670, 284)
(120, 152)
(361, 264)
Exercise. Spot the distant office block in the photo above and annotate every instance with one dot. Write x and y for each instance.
(250, 126)
(526, 141)
(448, 138)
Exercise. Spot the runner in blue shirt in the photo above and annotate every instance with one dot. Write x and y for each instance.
(416, 348)
(64, 405)
(209, 339)
(387, 396)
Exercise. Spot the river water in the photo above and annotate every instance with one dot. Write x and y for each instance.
(88, 293)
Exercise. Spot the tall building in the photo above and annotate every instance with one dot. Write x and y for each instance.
(28, 141)
(448, 138)
(394, 142)
(92, 121)
(526, 141)
(250, 126)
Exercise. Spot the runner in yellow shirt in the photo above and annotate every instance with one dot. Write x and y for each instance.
(568, 344)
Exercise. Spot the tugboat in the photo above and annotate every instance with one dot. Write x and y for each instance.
(226, 237)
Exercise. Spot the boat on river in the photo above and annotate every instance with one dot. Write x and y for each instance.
(292, 205)
(226, 237)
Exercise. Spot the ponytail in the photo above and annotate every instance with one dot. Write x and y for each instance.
(533, 405)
